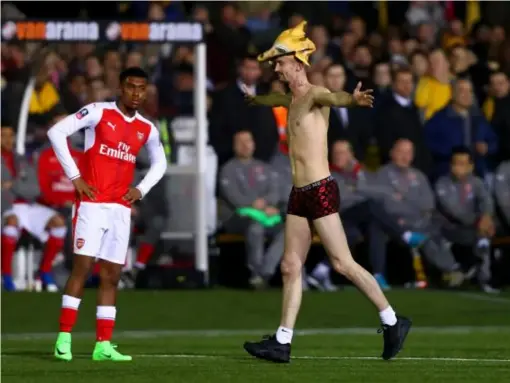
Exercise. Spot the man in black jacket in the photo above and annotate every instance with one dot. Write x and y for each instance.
(230, 113)
(398, 118)
(500, 88)
(351, 124)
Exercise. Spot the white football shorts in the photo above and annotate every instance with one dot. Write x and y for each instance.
(101, 230)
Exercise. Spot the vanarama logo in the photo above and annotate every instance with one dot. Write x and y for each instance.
(50, 31)
(154, 32)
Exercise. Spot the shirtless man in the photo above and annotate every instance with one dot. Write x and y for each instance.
(314, 199)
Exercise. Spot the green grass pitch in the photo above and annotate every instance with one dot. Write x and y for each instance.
(197, 336)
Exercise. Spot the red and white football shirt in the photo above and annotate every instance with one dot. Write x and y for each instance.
(112, 142)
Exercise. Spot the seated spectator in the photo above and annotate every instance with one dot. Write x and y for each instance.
(458, 125)
(359, 214)
(398, 117)
(502, 195)
(19, 191)
(408, 197)
(467, 209)
(249, 199)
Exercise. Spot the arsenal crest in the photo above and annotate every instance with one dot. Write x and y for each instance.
(140, 135)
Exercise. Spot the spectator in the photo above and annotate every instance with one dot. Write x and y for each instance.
(19, 190)
(408, 197)
(362, 64)
(467, 210)
(351, 124)
(360, 213)
(458, 125)
(382, 81)
(497, 111)
(74, 92)
(397, 118)
(433, 91)
(112, 61)
(316, 78)
(249, 194)
(93, 67)
(230, 112)
(419, 64)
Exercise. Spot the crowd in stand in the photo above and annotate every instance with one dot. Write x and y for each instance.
(428, 167)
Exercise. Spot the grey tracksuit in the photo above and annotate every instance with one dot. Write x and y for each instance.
(241, 183)
(407, 196)
(281, 164)
(461, 204)
(502, 191)
(25, 184)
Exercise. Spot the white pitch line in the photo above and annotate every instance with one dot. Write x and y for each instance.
(212, 333)
(309, 357)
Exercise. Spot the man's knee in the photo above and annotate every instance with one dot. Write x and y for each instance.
(291, 264)
(109, 273)
(346, 266)
(56, 221)
(11, 220)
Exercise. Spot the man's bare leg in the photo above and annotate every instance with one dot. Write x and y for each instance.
(298, 238)
(331, 232)
(395, 329)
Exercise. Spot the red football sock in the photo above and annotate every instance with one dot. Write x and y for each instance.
(105, 322)
(144, 254)
(8, 248)
(68, 313)
(53, 246)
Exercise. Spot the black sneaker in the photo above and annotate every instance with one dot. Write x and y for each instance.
(394, 337)
(269, 349)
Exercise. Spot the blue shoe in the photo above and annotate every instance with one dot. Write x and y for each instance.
(8, 283)
(382, 282)
(417, 239)
(48, 283)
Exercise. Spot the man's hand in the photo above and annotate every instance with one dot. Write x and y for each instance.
(249, 96)
(486, 226)
(83, 188)
(271, 210)
(363, 98)
(132, 195)
(259, 204)
(481, 148)
(6, 185)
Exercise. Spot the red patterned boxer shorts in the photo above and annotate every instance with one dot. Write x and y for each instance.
(316, 200)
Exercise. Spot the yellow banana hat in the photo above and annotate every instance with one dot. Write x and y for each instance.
(291, 42)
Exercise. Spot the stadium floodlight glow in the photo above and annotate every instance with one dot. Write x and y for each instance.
(97, 31)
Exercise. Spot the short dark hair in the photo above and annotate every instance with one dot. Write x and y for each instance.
(401, 70)
(461, 150)
(133, 72)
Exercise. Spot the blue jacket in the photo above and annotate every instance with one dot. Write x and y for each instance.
(445, 131)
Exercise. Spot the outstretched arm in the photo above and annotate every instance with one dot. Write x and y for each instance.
(323, 97)
(271, 99)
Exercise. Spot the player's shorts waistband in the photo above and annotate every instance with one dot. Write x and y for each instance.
(314, 184)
